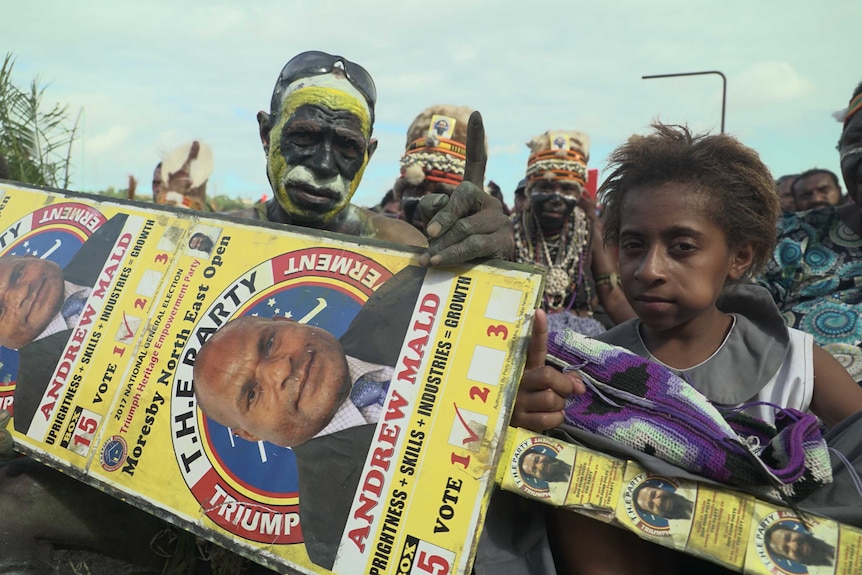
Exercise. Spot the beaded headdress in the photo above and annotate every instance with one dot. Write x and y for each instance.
(562, 156)
(436, 147)
(854, 106)
(559, 155)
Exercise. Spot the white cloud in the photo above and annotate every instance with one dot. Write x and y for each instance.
(769, 83)
(114, 138)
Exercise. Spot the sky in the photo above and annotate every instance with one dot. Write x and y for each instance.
(150, 76)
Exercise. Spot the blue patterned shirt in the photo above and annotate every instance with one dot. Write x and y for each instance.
(815, 277)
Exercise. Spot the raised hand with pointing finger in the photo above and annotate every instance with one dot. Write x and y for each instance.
(469, 223)
(441, 185)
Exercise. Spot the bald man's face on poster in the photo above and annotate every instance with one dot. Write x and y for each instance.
(31, 293)
(271, 379)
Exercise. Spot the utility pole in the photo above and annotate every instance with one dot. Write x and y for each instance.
(723, 86)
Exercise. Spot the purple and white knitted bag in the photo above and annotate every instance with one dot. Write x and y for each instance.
(647, 407)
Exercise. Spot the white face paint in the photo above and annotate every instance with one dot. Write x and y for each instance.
(331, 103)
(302, 176)
(332, 192)
(848, 152)
(332, 81)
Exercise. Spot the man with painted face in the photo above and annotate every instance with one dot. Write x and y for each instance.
(815, 276)
(560, 232)
(434, 159)
(318, 140)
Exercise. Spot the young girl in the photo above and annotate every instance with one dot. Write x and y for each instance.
(693, 218)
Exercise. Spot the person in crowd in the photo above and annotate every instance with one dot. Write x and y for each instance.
(816, 189)
(434, 159)
(682, 247)
(814, 275)
(494, 190)
(181, 178)
(520, 198)
(317, 138)
(784, 185)
(560, 232)
(159, 187)
(694, 219)
(388, 206)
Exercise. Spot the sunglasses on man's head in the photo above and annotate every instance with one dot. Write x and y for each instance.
(314, 63)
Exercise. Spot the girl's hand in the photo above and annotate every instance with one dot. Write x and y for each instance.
(543, 390)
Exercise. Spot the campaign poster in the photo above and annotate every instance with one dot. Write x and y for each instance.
(780, 543)
(305, 400)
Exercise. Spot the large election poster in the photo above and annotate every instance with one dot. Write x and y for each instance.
(355, 402)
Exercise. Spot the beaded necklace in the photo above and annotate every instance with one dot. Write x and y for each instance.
(562, 259)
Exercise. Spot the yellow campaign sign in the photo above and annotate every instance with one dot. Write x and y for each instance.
(725, 526)
(355, 402)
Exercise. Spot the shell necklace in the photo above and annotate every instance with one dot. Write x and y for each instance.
(562, 258)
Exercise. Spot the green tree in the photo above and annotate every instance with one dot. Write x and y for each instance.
(113, 192)
(224, 203)
(36, 140)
